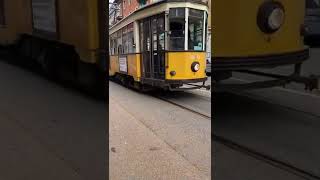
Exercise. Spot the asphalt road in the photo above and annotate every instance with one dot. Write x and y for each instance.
(280, 132)
(47, 131)
(197, 100)
(280, 122)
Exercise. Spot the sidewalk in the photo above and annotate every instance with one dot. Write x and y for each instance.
(136, 152)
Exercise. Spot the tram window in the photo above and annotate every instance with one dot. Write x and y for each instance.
(2, 14)
(312, 4)
(112, 44)
(124, 40)
(155, 42)
(115, 44)
(119, 42)
(130, 42)
(148, 43)
(177, 27)
(161, 41)
(147, 34)
(195, 34)
(141, 38)
(161, 30)
(206, 32)
(130, 38)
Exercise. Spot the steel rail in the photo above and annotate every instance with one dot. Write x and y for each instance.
(250, 152)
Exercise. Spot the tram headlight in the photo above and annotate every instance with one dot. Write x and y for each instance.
(173, 73)
(195, 66)
(271, 17)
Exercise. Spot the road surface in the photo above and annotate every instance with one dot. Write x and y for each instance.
(153, 139)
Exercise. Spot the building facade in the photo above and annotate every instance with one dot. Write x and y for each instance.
(120, 9)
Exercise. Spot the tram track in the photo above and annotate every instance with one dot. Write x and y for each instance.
(290, 168)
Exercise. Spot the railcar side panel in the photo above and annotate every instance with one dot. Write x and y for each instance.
(133, 62)
(17, 20)
(77, 25)
(134, 66)
(114, 65)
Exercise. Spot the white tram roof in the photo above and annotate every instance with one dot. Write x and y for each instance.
(156, 8)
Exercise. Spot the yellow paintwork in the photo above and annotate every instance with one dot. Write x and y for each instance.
(235, 32)
(180, 62)
(93, 28)
(78, 24)
(17, 18)
(114, 65)
(134, 66)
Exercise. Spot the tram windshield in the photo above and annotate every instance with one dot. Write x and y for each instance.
(177, 28)
(195, 32)
(195, 29)
(312, 4)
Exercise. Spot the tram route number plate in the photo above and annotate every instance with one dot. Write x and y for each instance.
(123, 64)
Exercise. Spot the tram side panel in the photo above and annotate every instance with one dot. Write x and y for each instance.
(64, 37)
(17, 19)
(132, 65)
(76, 23)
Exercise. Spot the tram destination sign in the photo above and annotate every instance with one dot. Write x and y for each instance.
(44, 16)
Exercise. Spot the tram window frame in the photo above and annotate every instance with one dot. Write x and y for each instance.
(119, 42)
(206, 31)
(311, 4)
(2, 14)
(113, 44)
(124, 40)
(141, 37)
(110, 45)
(161, 33)
(130, 37)
(175, 17)
(196, 15)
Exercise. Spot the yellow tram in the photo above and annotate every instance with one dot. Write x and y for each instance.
(66, 38)
(161, 45)
(257, 34)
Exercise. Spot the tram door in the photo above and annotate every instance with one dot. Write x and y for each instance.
(152, 33)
